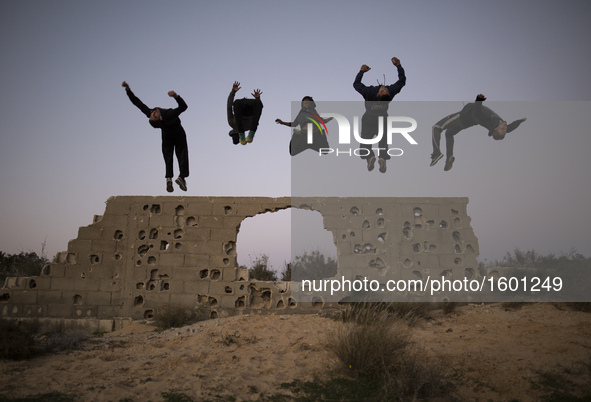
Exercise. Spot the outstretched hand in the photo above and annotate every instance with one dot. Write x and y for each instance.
(365, 68)
(172, 94)
(257, 93)
(125, 85)
(236, 86)
(395, 61)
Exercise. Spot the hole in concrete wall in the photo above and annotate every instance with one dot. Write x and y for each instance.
(417, 212)
(228, 290)
(151, 260)
(204, 273)
(282, 236)
(407, 263)
(230, 247)
(382, 237)
(138, 301)
(366, 224)
(354, 211)
(178, 246)
(215, 274)
(432, 247)
(46, 271)
(4, 297)
(352, 234)
(94, 259)
(139, 285)
(280, 304)
(240, 302)
(446, 274)
(118, 235)
(191, 221)
(154, 234)
(227, 209)
(178, 234)
(77, 300)
(418, 226)
(226, 261)
(458, 261)
(379, 211)
(154, 274)
(142, 250)
(163, 245)
(469, 249)
(378, 263)
(180, 210)
(212, 301)
(32, 284)
(443, 224)
(458, 249)
(148, 314)
(118, 257)
(469, 273)
(416, 247)
(165, 286)
(430, 222)
(417, 274)
(317, 302)
(146, 207)
(456, 236)
(138, 263)
(213, 314)
(155, 209)
(381, 222)
(141, 234)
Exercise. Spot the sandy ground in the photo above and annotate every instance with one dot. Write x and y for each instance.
(492, 353)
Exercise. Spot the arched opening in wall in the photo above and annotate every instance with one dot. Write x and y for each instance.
(283, 236)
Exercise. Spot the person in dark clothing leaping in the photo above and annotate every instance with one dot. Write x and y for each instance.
(174, 138)
(377, 99)
(470, 115)
(243, 115)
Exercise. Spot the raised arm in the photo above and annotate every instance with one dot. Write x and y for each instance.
(397, 86)
(135, 100)
(357, 84)
(229, 112)
(182, 106)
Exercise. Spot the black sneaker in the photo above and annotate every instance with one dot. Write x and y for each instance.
(181, 183)
(169, 187)
(449, 163)
(435, 158)
(382, 163)
(371, 163)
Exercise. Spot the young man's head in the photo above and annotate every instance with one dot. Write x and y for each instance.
(155, 117)
(384, 94)
(308, 103)
(499, 132)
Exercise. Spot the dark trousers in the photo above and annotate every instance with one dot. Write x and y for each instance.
(452, 125)
(176, 145)
(369, 129)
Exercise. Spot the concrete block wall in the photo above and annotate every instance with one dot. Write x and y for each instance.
(145, 253)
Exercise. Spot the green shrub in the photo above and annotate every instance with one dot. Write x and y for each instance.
(175, 316)
(18, 340)
(260, 269)
(374, 346)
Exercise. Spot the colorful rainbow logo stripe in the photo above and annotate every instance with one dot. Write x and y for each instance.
(317, 120)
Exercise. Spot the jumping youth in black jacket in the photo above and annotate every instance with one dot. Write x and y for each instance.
(377, 99)
(174, 138)
(471, 115)
(243, 115)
